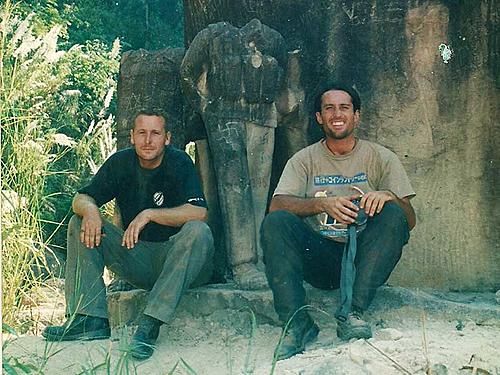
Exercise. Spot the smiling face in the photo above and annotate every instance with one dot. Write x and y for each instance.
(337, 116)
(149, 138)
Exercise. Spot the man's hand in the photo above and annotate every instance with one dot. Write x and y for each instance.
(373, 201)
(90, 231)
(131, 235)
(341, 209)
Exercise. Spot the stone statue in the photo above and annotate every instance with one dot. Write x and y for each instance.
(233, 78)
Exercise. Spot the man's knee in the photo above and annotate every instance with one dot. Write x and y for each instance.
(393, 215)
(195, 235)
(278, 220)
(198, 230)
(276, 226)
(195, 241)
(392, 221)
(75, 224)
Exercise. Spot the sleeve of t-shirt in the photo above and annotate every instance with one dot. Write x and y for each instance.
(394, 177)
(102, 187)
(293, 180)
(193, 193)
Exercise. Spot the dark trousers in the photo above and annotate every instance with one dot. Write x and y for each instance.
(293, 252)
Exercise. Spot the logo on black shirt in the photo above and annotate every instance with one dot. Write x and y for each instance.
(158, 198)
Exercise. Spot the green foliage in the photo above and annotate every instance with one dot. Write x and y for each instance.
(26, 78)
(43, 141)
(47, 14)
(58, 70)
(149, 24)
(90, 73)
(87, 96)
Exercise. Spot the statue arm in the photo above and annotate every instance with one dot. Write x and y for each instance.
(193, 66)
(291, 95)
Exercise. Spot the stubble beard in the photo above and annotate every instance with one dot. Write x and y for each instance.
(337, 136)
(153, 159)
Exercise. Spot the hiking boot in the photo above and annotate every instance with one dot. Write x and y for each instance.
(353, 327)
(142, 345)
(248, 277)
(298, 335)
(79, 327)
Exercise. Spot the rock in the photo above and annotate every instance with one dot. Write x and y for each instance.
(125, 307)
(438, 369)
(389, 334)
(149, 80)
(497, 296)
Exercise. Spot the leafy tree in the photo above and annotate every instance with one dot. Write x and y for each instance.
(149, 24)
(47, 12)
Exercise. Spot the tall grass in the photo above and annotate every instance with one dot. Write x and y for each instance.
(38, 158)
(25, 157)
(27, 151)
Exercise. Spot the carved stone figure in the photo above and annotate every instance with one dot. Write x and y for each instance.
(233, 78)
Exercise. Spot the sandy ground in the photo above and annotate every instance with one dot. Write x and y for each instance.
(225, 342)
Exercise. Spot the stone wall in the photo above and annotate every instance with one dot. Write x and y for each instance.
(441, 118)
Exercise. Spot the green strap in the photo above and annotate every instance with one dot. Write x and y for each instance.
(347, 274)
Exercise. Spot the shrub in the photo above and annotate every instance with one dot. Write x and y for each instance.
(43, 91)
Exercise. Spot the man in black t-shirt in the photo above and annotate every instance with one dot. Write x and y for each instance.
(163, 248)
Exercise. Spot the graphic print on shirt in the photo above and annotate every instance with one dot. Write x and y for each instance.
(338, 179)
(158, 198)
(335, 185)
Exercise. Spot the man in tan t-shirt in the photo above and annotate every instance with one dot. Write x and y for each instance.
(321, 184)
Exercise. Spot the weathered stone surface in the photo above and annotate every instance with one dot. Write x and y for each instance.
(439, 115)
(391, 334)
(438, 369)
(206, 171)
(125, 307)
(481, 308)
(150, 80)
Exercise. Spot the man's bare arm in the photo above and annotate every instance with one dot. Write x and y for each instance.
(177, 216)
(373, 202)
(298, 206)
(340, 208)
(90, 233)
(173, 217)
(405, 204)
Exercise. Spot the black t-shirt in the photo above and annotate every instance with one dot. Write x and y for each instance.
(173, 183)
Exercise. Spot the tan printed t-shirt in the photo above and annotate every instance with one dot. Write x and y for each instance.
(315, 171)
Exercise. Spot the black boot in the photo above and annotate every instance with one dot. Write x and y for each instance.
(142, 345)
(300, 332)
(79, 327)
